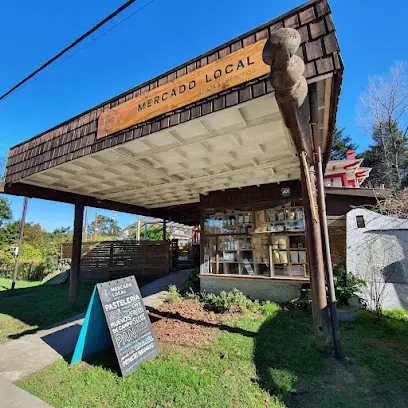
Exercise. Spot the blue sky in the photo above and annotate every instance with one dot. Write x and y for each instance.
(164, 34)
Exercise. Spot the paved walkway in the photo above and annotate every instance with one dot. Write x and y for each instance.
(13, 397)
(32, 352)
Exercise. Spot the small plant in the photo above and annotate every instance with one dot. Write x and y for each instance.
(192, 284)
(173, 295)
(346, 285)
(270, 309)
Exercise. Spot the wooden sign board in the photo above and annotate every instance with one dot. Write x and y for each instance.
(116, 315)
(234, 69)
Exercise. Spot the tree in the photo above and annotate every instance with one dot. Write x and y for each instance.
(341, 144)
(383, 113)
(5, 217)
(107, 227)
(5, 211)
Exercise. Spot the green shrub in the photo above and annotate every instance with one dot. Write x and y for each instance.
(192, 284)
(236, 301)
(346, 285)
(397, 314)
(270, 309)
(233, 301)
(173, 295)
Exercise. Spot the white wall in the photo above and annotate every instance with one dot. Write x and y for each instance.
(378, 254)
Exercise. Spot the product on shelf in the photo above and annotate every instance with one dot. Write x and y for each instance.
(276, 227)
(283, 256)
(260, 221)
(282, 243)
(294, 257)
(302, 256)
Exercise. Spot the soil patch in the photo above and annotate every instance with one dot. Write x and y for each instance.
(185, 323)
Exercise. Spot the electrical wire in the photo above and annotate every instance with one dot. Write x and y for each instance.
(78, 40)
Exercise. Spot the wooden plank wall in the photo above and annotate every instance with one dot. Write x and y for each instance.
(108, 260)
(337, 237)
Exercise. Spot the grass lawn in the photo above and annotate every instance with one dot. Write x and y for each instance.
(252, 361)
(32, 306)
(5, 284)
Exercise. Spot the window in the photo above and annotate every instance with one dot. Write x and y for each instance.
(360, 221)
(268, 242)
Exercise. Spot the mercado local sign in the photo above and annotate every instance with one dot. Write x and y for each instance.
(234, 69)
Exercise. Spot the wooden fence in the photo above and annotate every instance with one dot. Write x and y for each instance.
(108, 260)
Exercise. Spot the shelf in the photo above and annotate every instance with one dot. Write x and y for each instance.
(227, 234)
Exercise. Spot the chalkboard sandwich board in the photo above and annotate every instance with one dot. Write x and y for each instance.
(116, 315)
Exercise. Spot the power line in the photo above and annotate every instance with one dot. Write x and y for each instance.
(72, 45)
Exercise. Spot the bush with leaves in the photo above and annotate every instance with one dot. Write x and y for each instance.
(173, 295)
(347, 285)
(233, 301)
(192, 283)
(396, 314)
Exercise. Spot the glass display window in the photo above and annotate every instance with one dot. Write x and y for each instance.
(269, 242)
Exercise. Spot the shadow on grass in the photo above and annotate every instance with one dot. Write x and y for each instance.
(41, 306)
(284, 350)
(105, 359)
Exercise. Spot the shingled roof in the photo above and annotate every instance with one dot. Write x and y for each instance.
(77, 136)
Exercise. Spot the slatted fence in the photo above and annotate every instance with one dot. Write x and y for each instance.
(108, 260)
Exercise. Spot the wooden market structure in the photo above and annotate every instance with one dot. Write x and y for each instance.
(233, 140)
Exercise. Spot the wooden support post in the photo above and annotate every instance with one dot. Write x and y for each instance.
(138, 225)
(76, 254)
(86, 225)
(315, 259)
(164, 230)
(95, 227)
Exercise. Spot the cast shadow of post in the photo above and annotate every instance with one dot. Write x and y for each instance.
(284, 350)
(41, 306)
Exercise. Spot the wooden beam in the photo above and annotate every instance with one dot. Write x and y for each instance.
(76, 254)
(309, 187)
(22, 189)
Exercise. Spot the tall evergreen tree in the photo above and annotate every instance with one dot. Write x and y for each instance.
(388, 155)
(341, 144)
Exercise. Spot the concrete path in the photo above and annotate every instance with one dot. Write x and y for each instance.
(32, 352)
(13, 397)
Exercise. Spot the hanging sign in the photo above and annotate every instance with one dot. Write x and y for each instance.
(116, 315)
(233, 69)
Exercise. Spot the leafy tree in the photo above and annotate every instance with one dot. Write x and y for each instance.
(341, 144)
(107, 228)
(154, 233)
(6, 236)
(5, 211)
(383, 113)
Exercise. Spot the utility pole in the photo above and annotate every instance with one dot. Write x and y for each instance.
(20, 241)
(95, 227)
(325, 230)
(86, 224)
